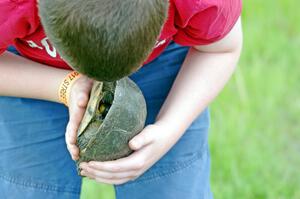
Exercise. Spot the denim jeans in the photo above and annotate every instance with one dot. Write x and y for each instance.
(35, 162)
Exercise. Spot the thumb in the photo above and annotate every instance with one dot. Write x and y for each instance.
(142, 139)
(82, 100)
(76, 113)
(77, 109)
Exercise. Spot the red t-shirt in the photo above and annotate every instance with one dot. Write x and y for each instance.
(189, 23)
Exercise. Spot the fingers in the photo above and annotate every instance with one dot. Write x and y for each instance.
(78, 101)
(128, 168)
(109, 177)
(75, 118)
(116, 181)
(76, 114)
(119, 171)
(93, 173)
(135, 162)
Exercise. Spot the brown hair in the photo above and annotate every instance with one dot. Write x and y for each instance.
(103, 39)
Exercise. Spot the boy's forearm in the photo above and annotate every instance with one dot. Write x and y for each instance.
(201, 78)
(21, 77)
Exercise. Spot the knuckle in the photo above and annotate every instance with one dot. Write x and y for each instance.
(71, 146)
(82, 96)
(73, 151)
(112, 177)
(72, 138)
(116, 169)
(139, 165)
(134, 176)
(90, 171)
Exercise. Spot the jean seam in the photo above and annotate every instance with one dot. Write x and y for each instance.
(40, 186)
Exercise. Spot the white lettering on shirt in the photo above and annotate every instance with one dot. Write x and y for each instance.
(51, 51)
(159, 43)
(34, 45)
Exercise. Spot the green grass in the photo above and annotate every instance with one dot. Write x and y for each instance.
(93, 190)
(255, 140)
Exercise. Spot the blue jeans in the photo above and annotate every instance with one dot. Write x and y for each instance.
(35, 162)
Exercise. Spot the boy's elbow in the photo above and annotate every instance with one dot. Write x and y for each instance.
(232, 43)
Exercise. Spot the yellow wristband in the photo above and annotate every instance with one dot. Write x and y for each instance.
(64, 88)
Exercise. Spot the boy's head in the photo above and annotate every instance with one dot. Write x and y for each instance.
(103, 39)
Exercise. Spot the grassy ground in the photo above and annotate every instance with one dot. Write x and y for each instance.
(255, 140)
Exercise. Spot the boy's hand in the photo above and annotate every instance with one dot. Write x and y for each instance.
(78, 100)
(150, 145)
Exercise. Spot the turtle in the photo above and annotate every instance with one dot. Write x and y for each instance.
(115, 113)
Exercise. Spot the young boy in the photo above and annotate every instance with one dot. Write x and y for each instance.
(106, 40)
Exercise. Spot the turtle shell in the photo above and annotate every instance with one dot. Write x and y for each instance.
(104, 135)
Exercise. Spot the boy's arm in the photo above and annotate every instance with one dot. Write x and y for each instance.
(21, 77)
(202, 76)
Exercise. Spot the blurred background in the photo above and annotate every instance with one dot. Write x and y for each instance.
(255, 127)
(255, 131)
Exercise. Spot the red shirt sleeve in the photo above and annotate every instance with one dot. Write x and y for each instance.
(205, 21)
(17, 19)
